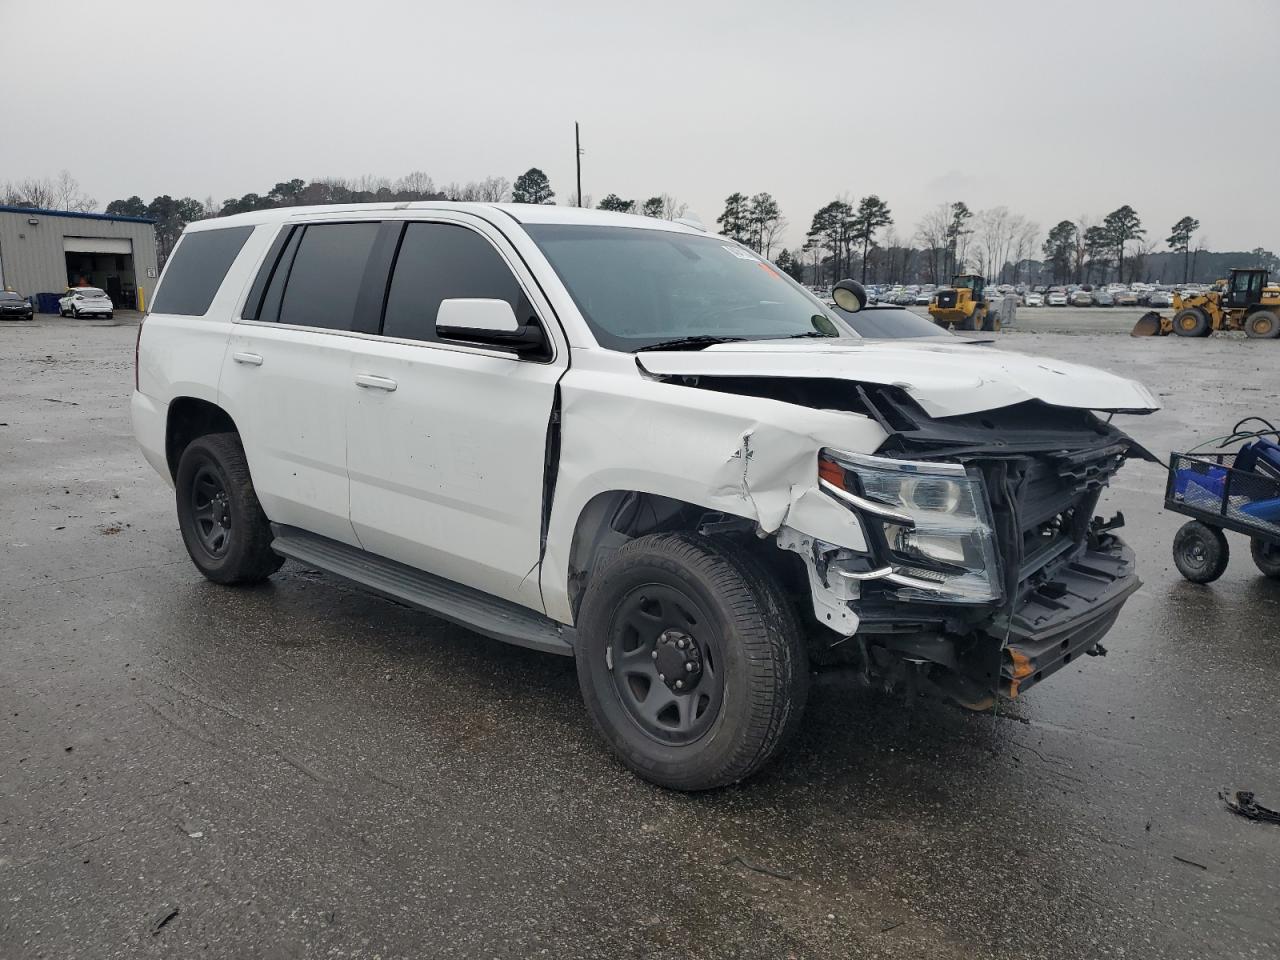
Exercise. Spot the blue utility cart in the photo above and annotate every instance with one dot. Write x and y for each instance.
(1238, 491)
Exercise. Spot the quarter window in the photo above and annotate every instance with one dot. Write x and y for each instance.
(441, 261)
(323, 280)
(197, 270)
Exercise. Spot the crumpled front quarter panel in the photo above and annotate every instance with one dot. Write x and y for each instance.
(745, 456)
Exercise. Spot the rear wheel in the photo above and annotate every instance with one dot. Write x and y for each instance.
(1267, 557)
(690, 661)
(1262, 325)
(1200, 552)
(1191, 322)
(223, 526)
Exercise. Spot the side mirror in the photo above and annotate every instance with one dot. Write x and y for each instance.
(849, 295)
(490, 322)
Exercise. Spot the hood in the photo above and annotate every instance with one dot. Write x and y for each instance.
(946, 379)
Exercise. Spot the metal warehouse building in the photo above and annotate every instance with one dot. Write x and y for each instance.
(46, 251)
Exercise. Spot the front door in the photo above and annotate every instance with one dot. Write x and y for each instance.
(446, 444)
(286, 377)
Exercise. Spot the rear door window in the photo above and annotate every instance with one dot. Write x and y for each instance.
(323, 279)
(197, 269)
(441, 261)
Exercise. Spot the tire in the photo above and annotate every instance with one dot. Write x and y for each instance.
(967, 323)
(1266, 556)
(225, 531)
(1200, 552)
(111, 316)
(1262, 325)
(1191, 322)
(75, 314)
(745, 655)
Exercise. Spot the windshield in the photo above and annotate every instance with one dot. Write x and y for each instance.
(890, 323)
(638, 288)
(88, 292)
(7, 295)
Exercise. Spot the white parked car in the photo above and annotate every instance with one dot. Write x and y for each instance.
(1033, 299)
(630, 442)
(1056, 298)
(85, 302)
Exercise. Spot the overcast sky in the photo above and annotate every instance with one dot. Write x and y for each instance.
(1055, 110)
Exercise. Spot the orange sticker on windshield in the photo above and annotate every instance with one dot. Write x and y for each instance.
(767, 269)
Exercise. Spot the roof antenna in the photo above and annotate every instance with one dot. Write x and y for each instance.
(691, 221)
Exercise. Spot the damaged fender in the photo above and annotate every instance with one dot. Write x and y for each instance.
(749, 457)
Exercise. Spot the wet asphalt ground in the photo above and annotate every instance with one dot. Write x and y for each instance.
(304, 770)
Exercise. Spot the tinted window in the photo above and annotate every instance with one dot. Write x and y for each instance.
(196, 270)
(324, 278)
(440, 261)
(6, 295)
(279, 274)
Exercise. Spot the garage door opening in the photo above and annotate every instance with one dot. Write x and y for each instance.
(103, 262)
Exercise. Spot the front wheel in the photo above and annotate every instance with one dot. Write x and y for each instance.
(1200, 552)
(1191, 322)
(690, 661)
(223, 526)
(1267, 557)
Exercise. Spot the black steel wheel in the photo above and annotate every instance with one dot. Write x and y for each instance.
(690, 661)
(1266, 556)
(1262, 325)
(225, 531)
(1191, 322)
(663, 654)
(1200, 552)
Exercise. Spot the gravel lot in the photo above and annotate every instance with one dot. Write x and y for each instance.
(304, 770)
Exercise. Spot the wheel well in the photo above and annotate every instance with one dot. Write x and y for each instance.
(611, 519)
(190, 418)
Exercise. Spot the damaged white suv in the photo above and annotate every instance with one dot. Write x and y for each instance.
(637, 444)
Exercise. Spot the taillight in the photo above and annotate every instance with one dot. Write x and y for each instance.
(137, 345)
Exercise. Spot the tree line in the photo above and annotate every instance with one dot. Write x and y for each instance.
(844, 238)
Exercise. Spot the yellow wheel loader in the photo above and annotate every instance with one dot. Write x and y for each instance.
(1245, 301)
(962, 306)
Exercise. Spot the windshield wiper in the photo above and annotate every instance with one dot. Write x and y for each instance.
(808, 333)
(681, 343)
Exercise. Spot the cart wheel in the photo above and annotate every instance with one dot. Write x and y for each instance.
(1200, 552)
(1267, 556)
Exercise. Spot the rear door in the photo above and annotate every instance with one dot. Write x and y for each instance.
(286, 376)
(447, 442)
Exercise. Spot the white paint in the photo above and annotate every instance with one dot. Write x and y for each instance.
(946, 379)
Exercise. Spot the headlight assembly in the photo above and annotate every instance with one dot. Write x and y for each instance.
(933, 519)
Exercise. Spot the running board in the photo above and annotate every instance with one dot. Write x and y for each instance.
(494, 617)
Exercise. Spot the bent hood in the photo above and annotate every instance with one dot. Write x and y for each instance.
(947, 380)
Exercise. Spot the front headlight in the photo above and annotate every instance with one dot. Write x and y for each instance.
(933, 519)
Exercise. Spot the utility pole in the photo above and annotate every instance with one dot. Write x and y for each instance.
(577, 151)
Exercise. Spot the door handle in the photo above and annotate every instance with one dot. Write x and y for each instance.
(252, 359)
(376, 383)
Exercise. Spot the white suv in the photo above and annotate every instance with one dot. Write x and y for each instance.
(631, 442)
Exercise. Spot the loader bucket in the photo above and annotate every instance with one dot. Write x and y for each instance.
(1148, 325)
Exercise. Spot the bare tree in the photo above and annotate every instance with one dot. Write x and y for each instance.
(932, 235)
(415, 182)
(493, 190)
(1081, 252)
(588, 201)
(1026, 237)
(30, 193)
(672, 208)
(67, 194)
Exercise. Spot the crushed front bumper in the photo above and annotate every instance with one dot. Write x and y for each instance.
(1064, 616)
